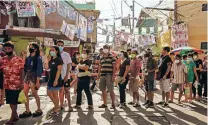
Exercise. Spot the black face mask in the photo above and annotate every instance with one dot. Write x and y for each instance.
(31, 50)
(9, 53)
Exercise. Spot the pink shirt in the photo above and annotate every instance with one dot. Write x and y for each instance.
(135, 67)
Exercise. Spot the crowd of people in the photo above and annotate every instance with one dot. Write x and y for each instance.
(187, 73)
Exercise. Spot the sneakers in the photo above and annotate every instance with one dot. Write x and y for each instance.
(25, 114)
(165, 104)
(146, 103)
(136, 105)
(131, 103)
(113, 107)
(150, 105)
(77, 106)
(161, 103)
(37, 113)
(122, 105)
(103, 106)
(90, 107)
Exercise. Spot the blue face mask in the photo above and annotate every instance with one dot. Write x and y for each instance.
(189, 59)
(53, 54)
(61, 48)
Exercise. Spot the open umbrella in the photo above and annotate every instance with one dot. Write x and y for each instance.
(187, 49)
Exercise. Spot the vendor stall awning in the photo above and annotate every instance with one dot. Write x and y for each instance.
(38, 32)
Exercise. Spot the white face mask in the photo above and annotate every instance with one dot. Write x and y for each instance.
(105, 51)
(84, 56)
(177, 61)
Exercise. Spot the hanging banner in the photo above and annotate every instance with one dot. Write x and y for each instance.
(179, 35)
(49, 6)
(25, 9)
(71, 43)
(90, 24)
(71, 14)
(82, 28)
(48, 41)
(10, 7)
(62, 9)
(70, 32)
(63, 27)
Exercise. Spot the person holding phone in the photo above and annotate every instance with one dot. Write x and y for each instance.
(55, 79)
(33, 70)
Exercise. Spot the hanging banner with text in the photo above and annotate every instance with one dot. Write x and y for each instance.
(179, 35)
(49, 6)
(68, 30)
(82, 28)
(25, 9)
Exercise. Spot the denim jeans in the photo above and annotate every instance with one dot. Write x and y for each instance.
(84, 84)
(122, 91)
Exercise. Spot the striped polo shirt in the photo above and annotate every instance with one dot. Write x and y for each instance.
(179, 73)
(106, 64)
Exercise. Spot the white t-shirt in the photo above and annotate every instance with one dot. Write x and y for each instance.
(66, 60)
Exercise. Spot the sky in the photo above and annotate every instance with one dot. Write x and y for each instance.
(108, 8)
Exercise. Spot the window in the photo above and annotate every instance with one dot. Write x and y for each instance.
(204, 7)
(204, 45)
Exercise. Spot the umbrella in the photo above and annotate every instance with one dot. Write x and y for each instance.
(187, 49)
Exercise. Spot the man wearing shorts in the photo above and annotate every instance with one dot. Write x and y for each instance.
(13, 69)
(164, 75)
(65, 76)
(133, 84)
(149, 79)
(106, 73)
(178, 77)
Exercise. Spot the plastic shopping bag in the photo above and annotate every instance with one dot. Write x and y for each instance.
(22, 97)
(186, 89)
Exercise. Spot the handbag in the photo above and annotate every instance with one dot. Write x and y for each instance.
(22, 97)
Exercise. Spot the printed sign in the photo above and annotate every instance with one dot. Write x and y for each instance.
(82, 28)
(49, 6)
(179, 35)
(62, 10)
(90, 24)
(70, 32)
(25, 9)
(71, 43)
(63, 27)
(48, 41)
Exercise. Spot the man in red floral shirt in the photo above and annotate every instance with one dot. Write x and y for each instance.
(13, 69)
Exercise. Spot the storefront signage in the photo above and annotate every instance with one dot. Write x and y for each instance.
(179, 35)
(82, 27)
(25, 9)
(71, 43)
(49, 6)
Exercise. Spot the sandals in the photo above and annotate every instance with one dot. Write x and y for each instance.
(53, 114)
(37, 113)
(25, 114)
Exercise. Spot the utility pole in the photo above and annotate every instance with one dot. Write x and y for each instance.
(175, 12)
(122, 9)
(114, 31)
(132, 30)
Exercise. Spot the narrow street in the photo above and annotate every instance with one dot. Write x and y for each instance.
(187, 114)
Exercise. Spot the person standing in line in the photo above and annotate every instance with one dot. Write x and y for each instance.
(33, 69)
(149, 79)
(106, 74)
(96, 66)
(164, 75)
(135, 67)
(191, 73)
(2, 54)
(178, 78)
(204, 76)
(55, 80)
(84, 81)
(75, 62)
(123, 74)
(129, 52)
(65, 74)
(13, 70)
(198, 62)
